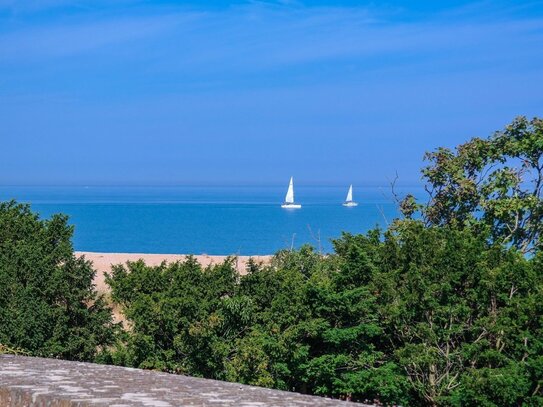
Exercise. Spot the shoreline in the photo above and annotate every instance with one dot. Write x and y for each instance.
(102, 262)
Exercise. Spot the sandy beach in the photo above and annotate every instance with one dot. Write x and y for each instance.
(103, 261)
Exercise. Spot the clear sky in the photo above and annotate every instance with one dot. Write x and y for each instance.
(218, 92)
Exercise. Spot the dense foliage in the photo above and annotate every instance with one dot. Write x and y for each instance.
(419, 315)
(48, 306)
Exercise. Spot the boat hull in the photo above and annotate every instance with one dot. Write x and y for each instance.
(291, 206)
(350, 204)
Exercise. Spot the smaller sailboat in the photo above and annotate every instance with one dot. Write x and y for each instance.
(289, 198)
(349, 200)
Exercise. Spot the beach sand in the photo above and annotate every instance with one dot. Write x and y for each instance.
(103, 261)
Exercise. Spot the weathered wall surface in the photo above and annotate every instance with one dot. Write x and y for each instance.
(26, 381)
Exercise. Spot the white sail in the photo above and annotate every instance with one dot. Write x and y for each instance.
(350, 194)
(349, 200)
(289, 198)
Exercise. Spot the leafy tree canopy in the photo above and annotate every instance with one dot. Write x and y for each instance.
(494, 183)
(48, 305)
(415, 316)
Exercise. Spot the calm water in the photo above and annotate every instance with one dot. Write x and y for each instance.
(212, 220)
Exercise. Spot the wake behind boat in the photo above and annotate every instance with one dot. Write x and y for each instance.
(289, 198)
(349, 200)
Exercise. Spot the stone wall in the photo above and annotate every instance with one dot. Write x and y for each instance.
(26, 381)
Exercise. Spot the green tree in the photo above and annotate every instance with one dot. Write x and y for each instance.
(48, 304)
(495, 182)
(460, 315)
(419, 315)
(177, 314)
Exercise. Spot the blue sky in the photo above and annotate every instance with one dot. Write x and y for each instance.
(218, 92)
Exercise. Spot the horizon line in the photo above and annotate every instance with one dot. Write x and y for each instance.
(210, 185)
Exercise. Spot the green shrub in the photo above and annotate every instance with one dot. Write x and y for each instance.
(48, 305)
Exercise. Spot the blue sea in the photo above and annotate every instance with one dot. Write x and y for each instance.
(210, 220)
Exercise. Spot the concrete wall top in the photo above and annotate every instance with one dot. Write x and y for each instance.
(27, 381)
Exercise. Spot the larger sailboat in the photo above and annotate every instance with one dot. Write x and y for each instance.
(349, 200)
(289, 198)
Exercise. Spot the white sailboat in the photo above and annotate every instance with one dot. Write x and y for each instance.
(289, 198)
(349, 200)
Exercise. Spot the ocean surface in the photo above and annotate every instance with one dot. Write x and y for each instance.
(210, 220)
